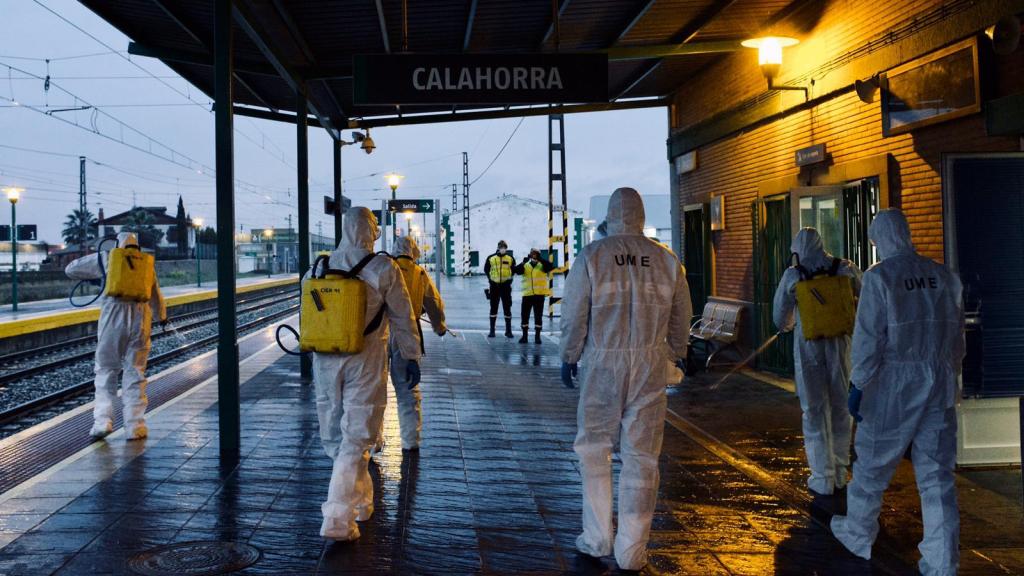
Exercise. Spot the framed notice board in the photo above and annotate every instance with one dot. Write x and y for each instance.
(934, 88)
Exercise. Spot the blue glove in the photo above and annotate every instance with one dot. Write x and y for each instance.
(681, 364)
(412, 373)
(568, 372)
(853, 402)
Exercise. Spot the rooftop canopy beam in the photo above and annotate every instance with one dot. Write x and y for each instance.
(250, 25)
(683, 36)
(563, 5)
(469, 26)
(633, 22)
(507, 112)
(182, 21)
(383, 26)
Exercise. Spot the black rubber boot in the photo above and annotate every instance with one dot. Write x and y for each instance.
(491, 334)
(536, 336)
(524, 339)
(508, 328)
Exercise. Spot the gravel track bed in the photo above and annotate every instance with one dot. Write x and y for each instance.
(63, 377)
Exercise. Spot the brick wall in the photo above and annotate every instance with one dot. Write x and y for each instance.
(851, 129)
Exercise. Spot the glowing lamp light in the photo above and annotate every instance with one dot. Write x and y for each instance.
(13, 194)
(393, 181)
(197, 222)
(769, 52)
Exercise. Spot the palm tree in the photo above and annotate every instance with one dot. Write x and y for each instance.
(80, 227)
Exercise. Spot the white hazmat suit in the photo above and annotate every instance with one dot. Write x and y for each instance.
(626, 312)
(822, 371)
(122, 347)
(908, 346)
(410, 420)
(351, 389)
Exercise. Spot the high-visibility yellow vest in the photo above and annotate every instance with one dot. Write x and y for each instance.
(500, 268)
(411, 275)
(130, 274)
(824, 300)
(332, 311)
(535, 280)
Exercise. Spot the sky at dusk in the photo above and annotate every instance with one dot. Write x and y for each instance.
(39, 149)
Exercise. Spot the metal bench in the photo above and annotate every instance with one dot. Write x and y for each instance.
(716, 329)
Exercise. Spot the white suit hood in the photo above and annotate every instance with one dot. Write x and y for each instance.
(891, 233)
(809, 248)
(406, 246)
(360, 230)
(625, 212)
(127, 239)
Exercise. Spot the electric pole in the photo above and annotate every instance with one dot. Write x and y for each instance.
(82, 205)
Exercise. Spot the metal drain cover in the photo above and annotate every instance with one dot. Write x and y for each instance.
(194, 559)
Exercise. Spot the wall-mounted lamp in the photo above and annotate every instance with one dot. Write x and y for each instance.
(867, 90)
(769, 57)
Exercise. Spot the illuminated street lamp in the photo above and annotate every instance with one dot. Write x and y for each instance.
(769, 58)
(13, 194)
(268, 233)
(393, 181)
(197, 224)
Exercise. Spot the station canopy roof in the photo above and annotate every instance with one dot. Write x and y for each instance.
(315, 40)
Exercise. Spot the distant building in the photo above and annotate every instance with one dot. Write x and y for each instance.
(158, 218)
(276, 249)
(31, 255)
(520, 222)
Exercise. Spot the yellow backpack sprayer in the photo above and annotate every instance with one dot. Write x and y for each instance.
(332, 311)
(824, 300)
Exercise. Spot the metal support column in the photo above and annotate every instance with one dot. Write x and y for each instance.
(556, 179)
(227, 347)
(465, 214)
(438, 253)
(302, 160)
(82, 205)
(337, 191)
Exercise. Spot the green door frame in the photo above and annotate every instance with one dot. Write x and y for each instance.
(772, 233)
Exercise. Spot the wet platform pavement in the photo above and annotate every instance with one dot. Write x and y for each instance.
(495, 488)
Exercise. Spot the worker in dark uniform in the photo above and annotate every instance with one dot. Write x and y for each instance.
(536, 288)
(498, 268)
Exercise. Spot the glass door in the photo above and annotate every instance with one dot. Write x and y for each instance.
(773, 235)
(697, 254)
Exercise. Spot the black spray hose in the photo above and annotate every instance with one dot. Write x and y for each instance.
(277, 336)
(101, 282)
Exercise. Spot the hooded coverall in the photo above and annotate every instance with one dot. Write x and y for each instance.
(122, 347)
(822, 371)
(410, 420)
(626, 313)
(908, 349)
(351, 391)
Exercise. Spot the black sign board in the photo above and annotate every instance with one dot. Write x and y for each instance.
(811, 155)
(27, 232)
(380, 222)
(411, 206)
(330, 208)
(387, 79)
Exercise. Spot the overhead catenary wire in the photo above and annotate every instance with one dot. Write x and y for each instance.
(498, 155)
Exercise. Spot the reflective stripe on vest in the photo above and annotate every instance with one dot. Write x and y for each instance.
(501, 268)
(535, 280)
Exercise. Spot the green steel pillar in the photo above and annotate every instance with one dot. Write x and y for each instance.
(14, 255)
(302, 159)
(228, 410)
(337, 190)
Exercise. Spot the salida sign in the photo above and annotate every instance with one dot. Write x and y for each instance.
(480, 78)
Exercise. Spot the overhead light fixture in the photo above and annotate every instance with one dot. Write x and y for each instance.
(867, 89)
(769, 58)
(1005, 35)
(367, 143)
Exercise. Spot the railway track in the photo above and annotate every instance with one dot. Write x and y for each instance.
(13, 365)
(285, 304)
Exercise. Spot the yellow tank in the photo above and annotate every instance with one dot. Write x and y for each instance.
(825, 304)
(332, 312)
(130, 274)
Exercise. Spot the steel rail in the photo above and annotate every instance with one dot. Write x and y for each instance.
(24, 408)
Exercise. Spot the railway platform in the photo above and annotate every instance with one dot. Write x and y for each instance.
(495, 488)
(58, 313)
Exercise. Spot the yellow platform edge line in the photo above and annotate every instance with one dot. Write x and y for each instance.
(42, 323)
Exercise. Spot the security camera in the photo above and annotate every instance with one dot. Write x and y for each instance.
(357, 137)
(368, 144)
